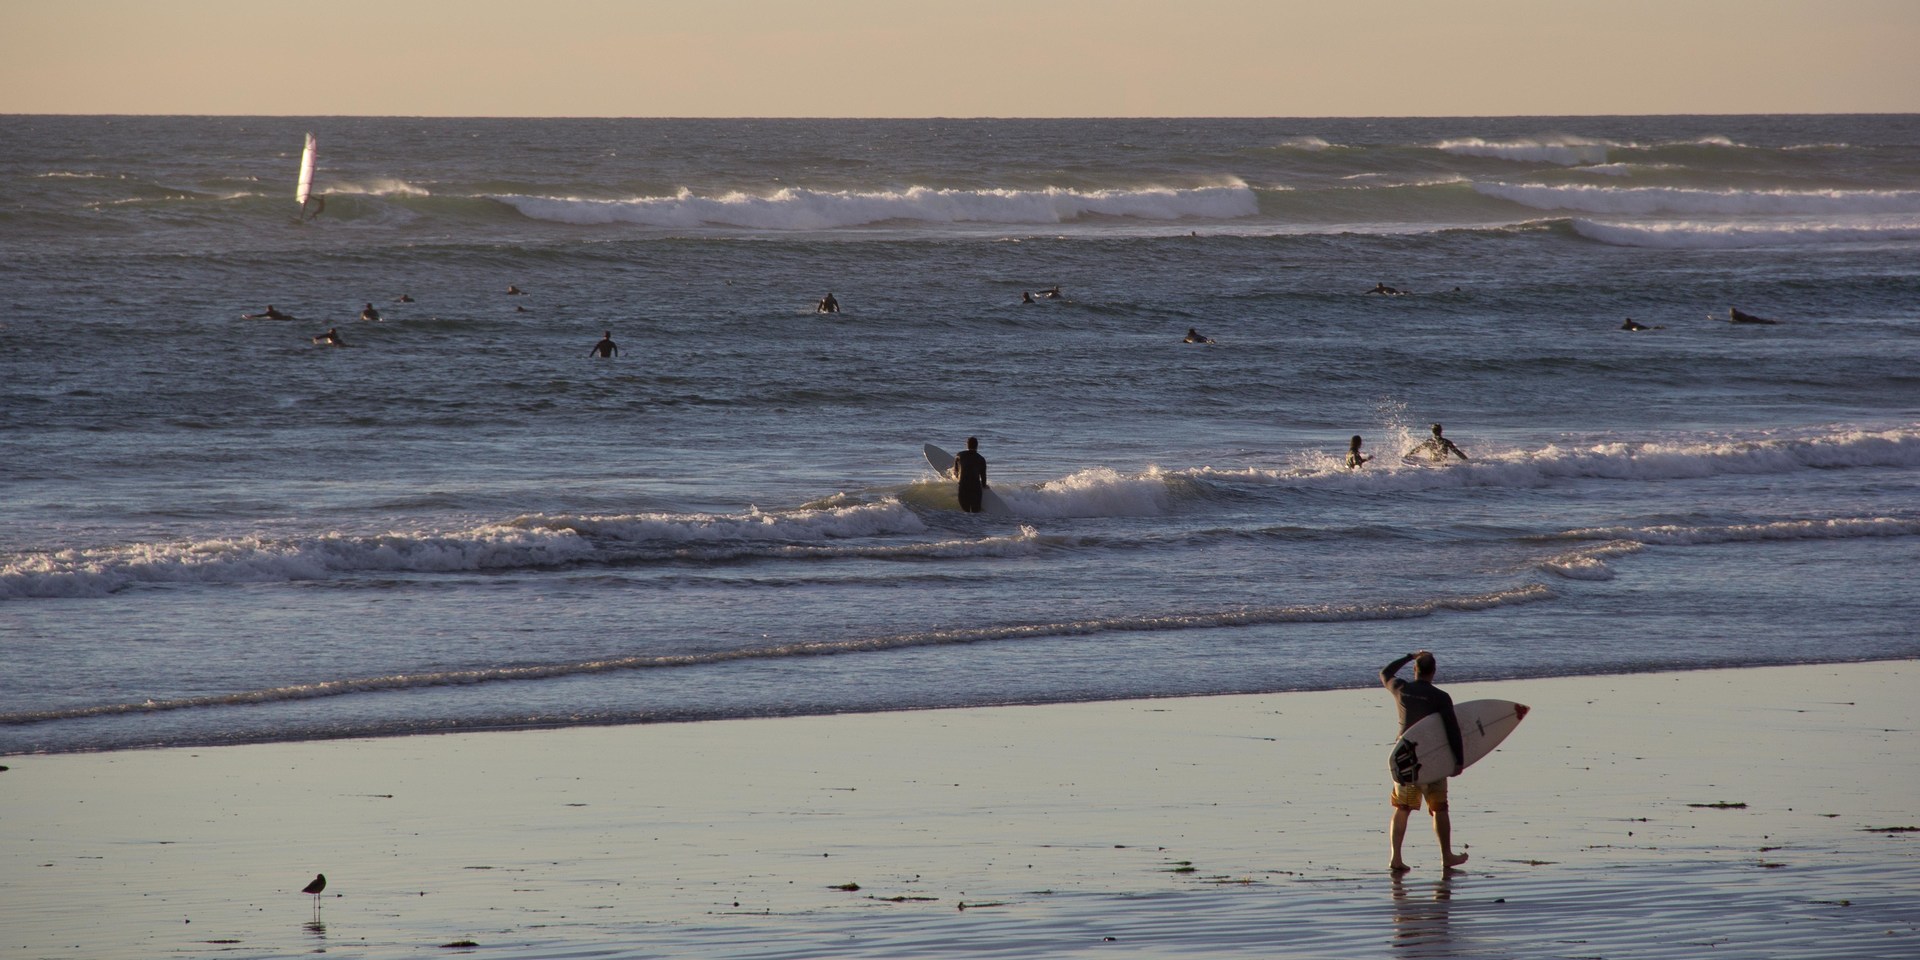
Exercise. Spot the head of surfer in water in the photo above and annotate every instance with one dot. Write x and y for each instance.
(973, 443)
(1436, 429)
(1423, 666)
(1355, 445)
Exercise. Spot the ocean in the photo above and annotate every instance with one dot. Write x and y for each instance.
(214, 530)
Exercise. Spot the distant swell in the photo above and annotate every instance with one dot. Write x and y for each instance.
(1587, 198)
(801, 209)
(1327, 613)
(1694, 235)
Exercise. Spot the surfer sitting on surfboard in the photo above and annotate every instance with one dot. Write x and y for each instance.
(1193, 336)
(970, 468)
(1417, 700)
(331, 338)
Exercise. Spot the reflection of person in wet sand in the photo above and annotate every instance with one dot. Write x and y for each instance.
(1416, 701)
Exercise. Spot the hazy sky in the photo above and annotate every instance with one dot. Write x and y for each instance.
(1009, 58)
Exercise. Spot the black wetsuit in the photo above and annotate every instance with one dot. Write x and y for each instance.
(970, 468)
(1418, 699)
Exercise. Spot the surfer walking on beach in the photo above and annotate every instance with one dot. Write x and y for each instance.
(970, 468)
(1418, 699)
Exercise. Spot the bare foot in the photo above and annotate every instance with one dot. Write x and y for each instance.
(1455, 859)
(1397, 867)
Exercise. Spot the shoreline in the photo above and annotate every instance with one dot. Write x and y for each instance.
(1762, 811)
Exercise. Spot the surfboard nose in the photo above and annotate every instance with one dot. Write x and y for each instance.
(1520, 711)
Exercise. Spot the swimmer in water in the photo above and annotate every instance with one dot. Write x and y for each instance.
(1354, 459)
(1026, 297)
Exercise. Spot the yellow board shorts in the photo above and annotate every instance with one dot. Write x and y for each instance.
(1409, 795)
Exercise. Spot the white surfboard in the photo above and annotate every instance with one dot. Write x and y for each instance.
(304, 188)
(1422, 756)
(942, 463)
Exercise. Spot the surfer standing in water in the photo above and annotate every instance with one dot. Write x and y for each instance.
(1417, 700)
(970, 468)
(606, 347)
(1354, 459)
(1440, 446)
(827, 305)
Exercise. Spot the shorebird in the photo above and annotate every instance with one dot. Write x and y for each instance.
(319, 883)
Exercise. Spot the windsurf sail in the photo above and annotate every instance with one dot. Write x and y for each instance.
(305, 186)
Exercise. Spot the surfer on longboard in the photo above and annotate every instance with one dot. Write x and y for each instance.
(268, 314)
(1417, 700)
(369, 313)
(970, 468)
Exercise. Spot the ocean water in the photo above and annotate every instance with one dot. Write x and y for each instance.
(213, 530)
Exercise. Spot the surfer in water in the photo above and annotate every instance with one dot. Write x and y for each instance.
(1193, 336)
(1027, 297)
(369, 313)
(1438, 446)
(828, 304)
(1416, 701)
(513, 291)
(1737, 315)
(331, 338)
(606, 347)
(970, 468)
(1354, 459)
(1633, 324)
(1054, 294)
(319, 202)
(1386, 291)
(268, 314)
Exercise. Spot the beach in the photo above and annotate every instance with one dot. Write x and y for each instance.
(1742, 813)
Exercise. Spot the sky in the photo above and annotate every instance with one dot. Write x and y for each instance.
(958, 58)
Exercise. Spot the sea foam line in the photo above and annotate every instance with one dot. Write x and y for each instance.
(803, 209)
(1254, 616)
(1841, 528)
(1593, 198)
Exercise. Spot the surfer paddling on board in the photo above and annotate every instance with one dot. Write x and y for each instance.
(827, 305)
(330, 338)
(606, 347)
(970, 468)
(1354, 459)
(1417, 700)
(1438, 447)
(268, 314)
(1193, 336)
(1386, 291)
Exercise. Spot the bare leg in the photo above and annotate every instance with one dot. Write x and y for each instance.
(1443, 828)
(1396, 833)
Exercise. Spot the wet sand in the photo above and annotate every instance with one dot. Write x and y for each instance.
(1744, 813)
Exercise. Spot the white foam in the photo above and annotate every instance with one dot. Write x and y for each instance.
(1309, 143)
(1592, 198)
(1842, 528)
(1564, 151)
(801, 209)
(1696, 235)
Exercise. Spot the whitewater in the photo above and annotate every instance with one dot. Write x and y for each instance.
(215, 530)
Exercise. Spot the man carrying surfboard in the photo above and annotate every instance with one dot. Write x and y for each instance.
(1417, 700)
(970, 468)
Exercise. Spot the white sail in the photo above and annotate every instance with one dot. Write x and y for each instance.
(306, 174)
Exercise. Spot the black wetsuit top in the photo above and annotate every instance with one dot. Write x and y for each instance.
(970, 468)
(1417, 699)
